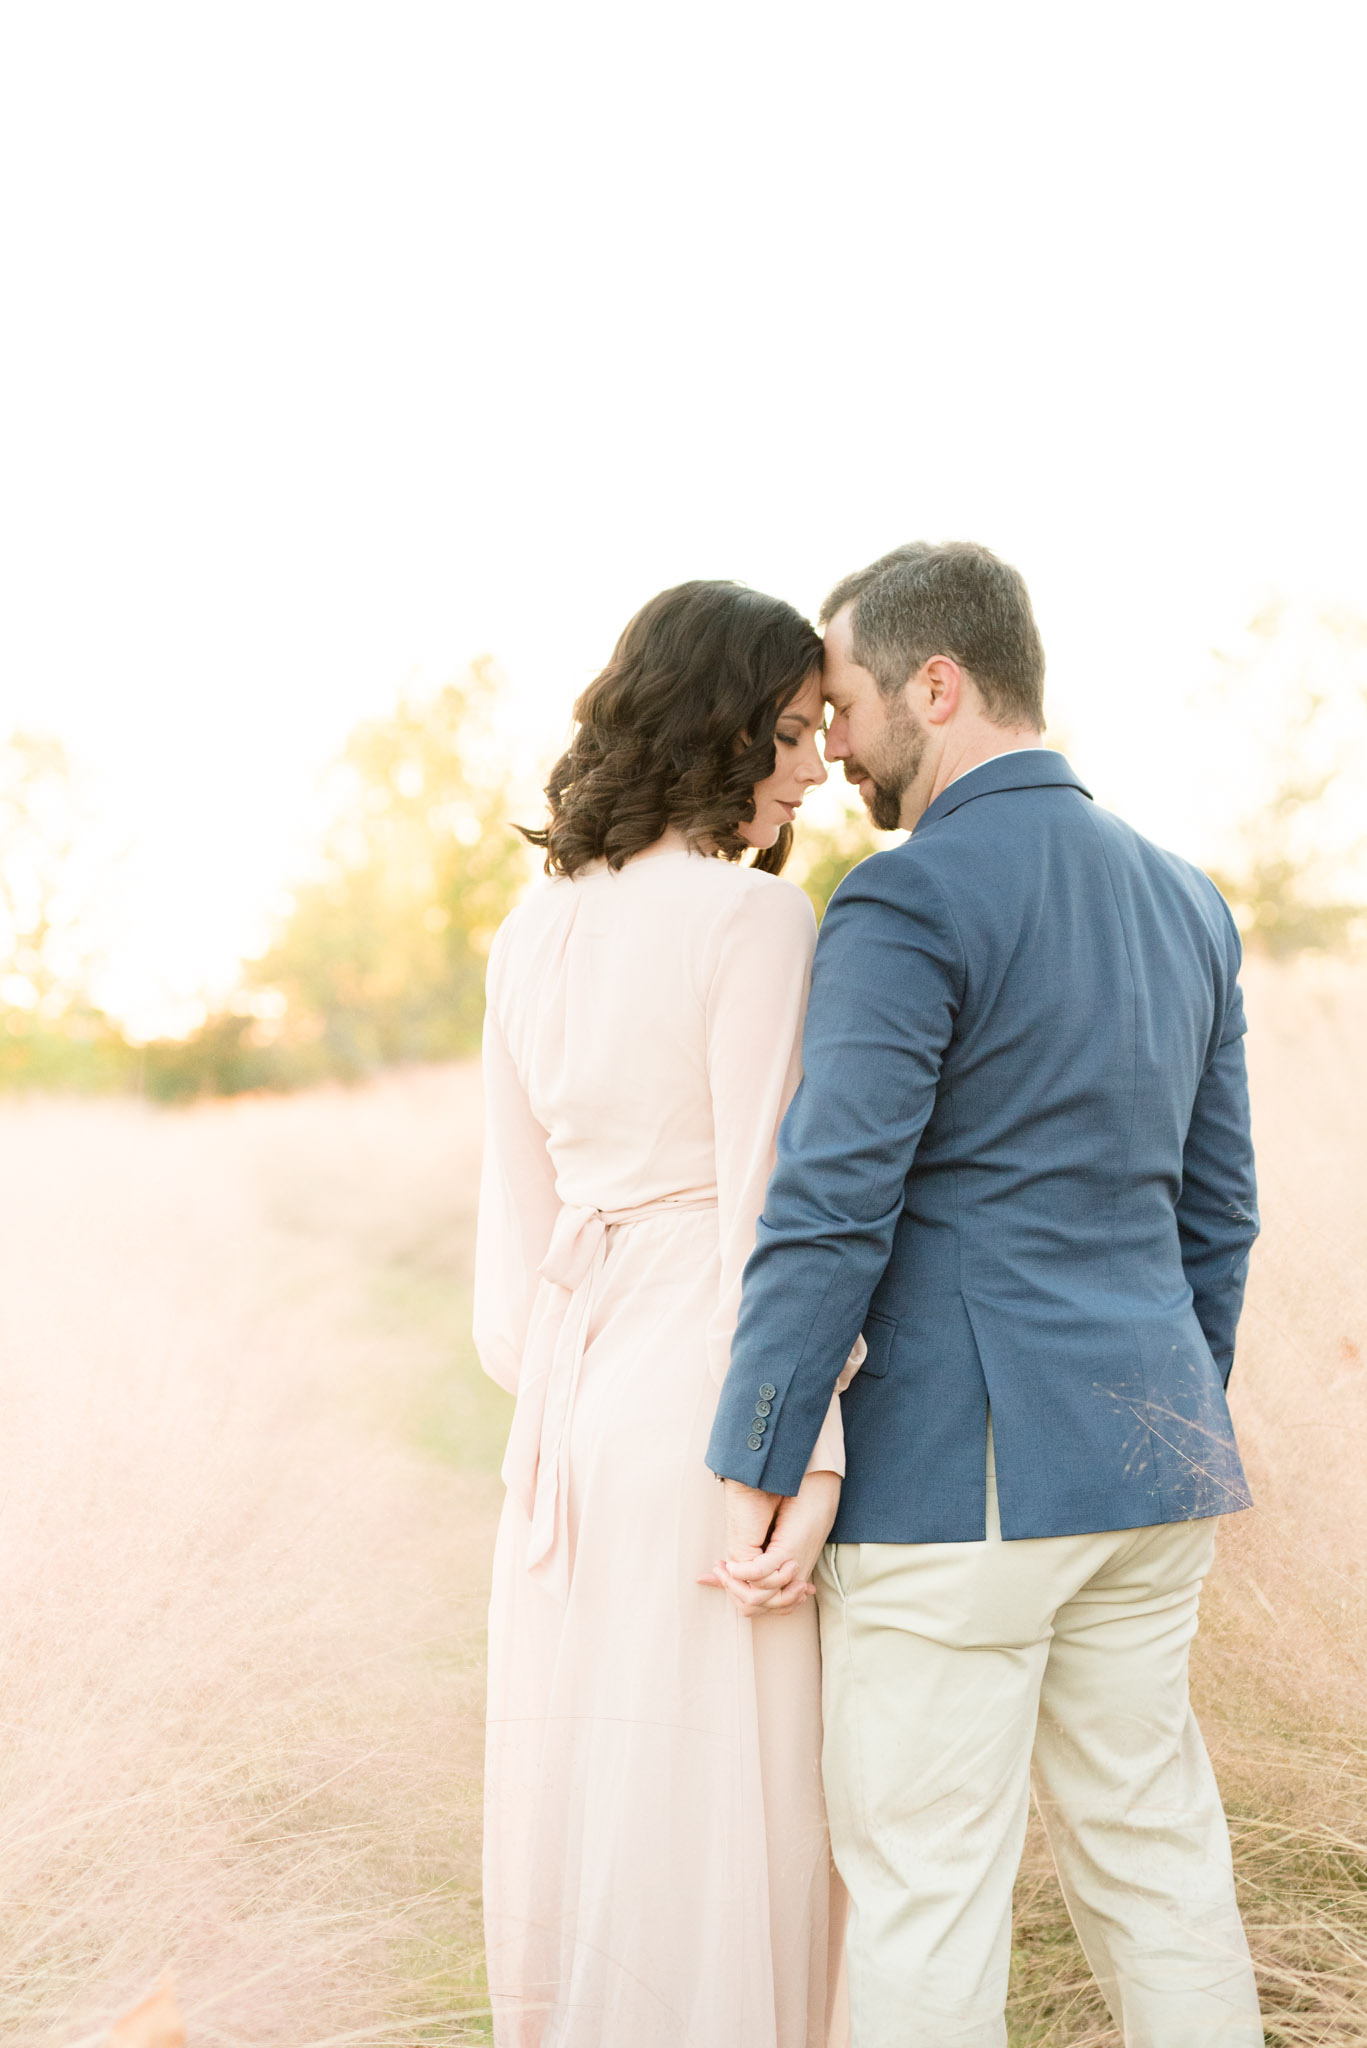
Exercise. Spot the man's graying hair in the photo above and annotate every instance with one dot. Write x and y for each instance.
(955, 599)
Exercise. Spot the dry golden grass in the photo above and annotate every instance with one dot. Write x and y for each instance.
(240, 1646)
(244, 1533)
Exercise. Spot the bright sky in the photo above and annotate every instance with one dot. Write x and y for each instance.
(345, 341)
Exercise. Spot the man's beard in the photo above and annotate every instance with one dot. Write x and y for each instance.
(892, 764)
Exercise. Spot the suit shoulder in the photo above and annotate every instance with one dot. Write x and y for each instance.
(1182, 875)
(913, 876)
(900, 897)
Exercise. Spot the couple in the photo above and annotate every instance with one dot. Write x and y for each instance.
(957, 1359)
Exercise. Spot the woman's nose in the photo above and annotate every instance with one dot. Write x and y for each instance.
(814, 769)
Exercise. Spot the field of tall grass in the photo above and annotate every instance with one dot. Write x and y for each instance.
(248, 1498)
(244, 1531)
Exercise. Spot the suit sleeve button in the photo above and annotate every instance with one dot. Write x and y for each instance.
(763, 1407)
(756, 1443)
(766, 1392)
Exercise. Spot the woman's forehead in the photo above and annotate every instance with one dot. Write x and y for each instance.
(808, 702)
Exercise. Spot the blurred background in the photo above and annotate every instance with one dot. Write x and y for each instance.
(363, 369)
(354, 356)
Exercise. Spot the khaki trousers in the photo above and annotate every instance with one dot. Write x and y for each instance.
(947, 1666)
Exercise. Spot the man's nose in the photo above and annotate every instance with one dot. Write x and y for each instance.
(837, 741)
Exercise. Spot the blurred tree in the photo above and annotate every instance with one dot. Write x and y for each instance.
(1283, 902)
(52, 1034)
(41, 898)
(226, 1055)
(381, 955)
(1292, 705)
(826, 848)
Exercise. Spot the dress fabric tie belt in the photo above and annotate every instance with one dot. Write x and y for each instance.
(536, 1465)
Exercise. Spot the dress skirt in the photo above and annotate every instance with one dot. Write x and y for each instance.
(657, 1872)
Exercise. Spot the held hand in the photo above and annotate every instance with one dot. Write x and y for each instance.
(779, 1577)
(800, 1530)
(749, 1518)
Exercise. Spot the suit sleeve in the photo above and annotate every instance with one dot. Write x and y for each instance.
(886, 988)
(1217, 1210)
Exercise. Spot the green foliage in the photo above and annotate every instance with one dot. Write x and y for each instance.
(225, 1056)
(79, 1052)
(1278, 911)
(823, 854)
(52, 1035)
(381, 957)
(1286, 894)
(1292, 724)
(39, 880)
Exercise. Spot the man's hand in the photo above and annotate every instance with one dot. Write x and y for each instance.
(771, 1557)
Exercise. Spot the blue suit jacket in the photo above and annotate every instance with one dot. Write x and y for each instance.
(1020, 1162)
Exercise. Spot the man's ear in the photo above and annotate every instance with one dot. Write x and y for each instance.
(942, 681)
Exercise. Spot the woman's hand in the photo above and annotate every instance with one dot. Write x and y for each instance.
(780, 1577)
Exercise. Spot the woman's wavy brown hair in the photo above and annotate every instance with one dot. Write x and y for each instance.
(678, 729)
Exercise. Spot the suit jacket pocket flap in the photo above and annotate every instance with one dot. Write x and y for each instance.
(879, 1332)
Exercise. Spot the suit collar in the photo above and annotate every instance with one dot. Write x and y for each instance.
(1034, 768)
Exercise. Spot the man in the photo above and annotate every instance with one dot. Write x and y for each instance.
(1020, 1164)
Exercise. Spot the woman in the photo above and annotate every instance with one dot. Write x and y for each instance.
(656, 1868)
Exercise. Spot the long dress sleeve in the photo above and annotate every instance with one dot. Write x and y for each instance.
(755, 1003)
(518, 1205)
(756, 1000)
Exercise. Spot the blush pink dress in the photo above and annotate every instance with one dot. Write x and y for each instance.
(657, 1873)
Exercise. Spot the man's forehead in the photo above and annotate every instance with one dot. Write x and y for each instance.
(839, 635)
